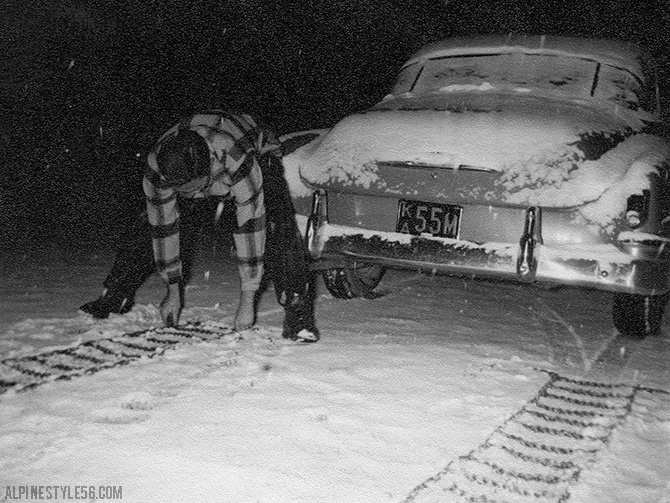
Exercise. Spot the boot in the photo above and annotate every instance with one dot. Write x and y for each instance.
(299, 320)
(109, 302)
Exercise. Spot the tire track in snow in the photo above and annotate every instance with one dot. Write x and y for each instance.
(537, 455)
(613, 359)
(554, 325)
(557, 327)
(608, 361)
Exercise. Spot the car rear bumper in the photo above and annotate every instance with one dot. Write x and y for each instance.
(634, 267)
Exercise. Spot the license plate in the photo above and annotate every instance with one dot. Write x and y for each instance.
(419, 217)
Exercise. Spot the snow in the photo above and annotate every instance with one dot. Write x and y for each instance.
(351, 149)
(484, 86)
(537, 159)
(538, 163)
(614, 52)
(479, 112)
(396, 389)
(604, 253)
(641, 237)
(292, 170)
(629, 166)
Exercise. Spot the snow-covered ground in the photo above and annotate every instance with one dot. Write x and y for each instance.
(398, 388)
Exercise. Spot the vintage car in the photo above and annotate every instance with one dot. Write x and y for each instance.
(533, 159)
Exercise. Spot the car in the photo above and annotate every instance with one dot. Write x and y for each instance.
(534, 159)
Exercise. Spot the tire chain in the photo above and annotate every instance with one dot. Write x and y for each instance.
(540, 451)
(26, 372)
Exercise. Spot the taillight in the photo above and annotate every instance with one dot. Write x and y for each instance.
(637, 209)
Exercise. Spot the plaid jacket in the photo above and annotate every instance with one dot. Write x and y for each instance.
(235, 142)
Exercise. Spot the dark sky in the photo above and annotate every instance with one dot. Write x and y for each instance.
(85, 85)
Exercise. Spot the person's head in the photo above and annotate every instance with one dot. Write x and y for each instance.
(183, 158)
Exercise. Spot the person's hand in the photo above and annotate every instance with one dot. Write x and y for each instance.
(171, 307)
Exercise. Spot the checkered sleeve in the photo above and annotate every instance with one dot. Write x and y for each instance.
(163, 214)
(234, 140)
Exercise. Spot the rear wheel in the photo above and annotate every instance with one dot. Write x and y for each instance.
(354, 281)
(638, 316)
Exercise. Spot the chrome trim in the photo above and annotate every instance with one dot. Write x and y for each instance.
(423, 165)
(526, 264)
(318, 219)
(626, 273)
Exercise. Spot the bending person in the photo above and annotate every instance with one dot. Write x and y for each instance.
(215, 155)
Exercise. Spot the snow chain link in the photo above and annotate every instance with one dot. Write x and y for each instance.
(540, 451)
(535, 456)
(89, 357)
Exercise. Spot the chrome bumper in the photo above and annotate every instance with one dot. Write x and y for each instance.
(633, 267)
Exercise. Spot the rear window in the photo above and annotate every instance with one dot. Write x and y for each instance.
(624, 88)
(549, 74)
(508, 71)
(406, 78)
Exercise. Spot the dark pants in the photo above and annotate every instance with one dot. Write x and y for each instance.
(134, 262)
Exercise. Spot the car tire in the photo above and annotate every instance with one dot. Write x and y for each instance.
(353, 282)
(638, 316)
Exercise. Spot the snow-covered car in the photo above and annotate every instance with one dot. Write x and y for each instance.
(534, 159)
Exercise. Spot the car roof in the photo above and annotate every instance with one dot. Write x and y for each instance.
(615, 52)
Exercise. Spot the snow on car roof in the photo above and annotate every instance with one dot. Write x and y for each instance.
(615, 52)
